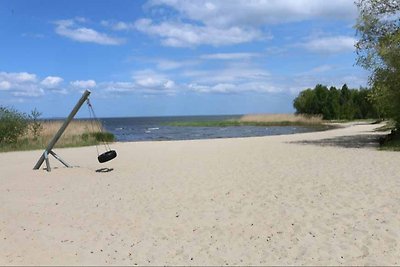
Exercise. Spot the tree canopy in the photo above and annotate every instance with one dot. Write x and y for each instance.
(336, 104)
(378, 49)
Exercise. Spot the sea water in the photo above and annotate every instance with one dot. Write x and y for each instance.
(158, 128)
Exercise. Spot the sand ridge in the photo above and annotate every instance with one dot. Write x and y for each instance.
(244, 201)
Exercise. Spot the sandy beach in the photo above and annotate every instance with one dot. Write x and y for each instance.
(321, 198)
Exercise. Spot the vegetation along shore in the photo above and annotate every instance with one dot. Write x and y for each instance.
(19, 131)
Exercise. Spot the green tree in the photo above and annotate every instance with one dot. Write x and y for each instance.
(333, 105)
(346, 104)
(305, 102)
(13, 124)
(321, 95)
(364, 107)
(336, 104)
(35, 125)
(378, 50)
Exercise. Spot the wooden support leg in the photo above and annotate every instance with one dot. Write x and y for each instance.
(46, 157)
(60, 159)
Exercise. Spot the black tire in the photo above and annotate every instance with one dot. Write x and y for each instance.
(107, 156)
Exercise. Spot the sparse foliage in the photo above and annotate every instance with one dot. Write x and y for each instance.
(35, 125)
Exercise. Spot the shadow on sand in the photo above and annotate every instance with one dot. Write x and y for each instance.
(356, 141)
(105, 170)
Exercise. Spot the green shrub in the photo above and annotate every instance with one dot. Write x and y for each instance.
(99, 136)
(85, 137)
(13, 124)
(103, 136)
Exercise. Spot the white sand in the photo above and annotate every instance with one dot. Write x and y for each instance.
(248, 201)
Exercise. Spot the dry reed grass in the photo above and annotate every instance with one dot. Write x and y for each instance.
(76, 127)
(292, 118)
(72, 136)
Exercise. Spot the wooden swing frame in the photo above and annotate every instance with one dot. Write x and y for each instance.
(50, 146)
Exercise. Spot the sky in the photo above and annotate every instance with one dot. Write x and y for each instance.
(173, 57)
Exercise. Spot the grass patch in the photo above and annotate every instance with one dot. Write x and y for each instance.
(78, 133)
(99, 137)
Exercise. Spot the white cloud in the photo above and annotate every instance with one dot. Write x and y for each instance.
(81, 19)
(229, 56)
(258, 12)
(322, 68)
(217, 88)
(118, 25)
(169, 84)
(165, 64)
(145, 81)
(118, 87)
(83, 84)
(335, 44)
(5, 85)
(20, 84)
(29, 91)
(300, 81)
(23, 84)
(319, 70)
(289, 83)
(234, 88)
(51, 81)
(148, 82)
(17, 77)
(233, 77)
(168, 64)
(235, 72)
(187, 35)
(188, 23)
(70, 29)
(152, 80)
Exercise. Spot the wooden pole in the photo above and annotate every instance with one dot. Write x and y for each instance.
(60, 132)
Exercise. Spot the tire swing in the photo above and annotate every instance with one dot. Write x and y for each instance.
(109, 154)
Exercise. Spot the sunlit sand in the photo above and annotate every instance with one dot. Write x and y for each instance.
(274, 200)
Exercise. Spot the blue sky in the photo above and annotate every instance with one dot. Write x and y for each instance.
(173, 57)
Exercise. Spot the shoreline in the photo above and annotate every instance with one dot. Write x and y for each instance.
(237, 201)
(316, 128)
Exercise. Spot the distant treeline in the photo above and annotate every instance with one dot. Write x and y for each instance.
(336, 104)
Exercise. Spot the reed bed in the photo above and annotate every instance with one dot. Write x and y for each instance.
(76, 127)
(78, 133)
(258, 120)
(283, 119)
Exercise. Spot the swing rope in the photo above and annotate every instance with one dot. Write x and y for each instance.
(95, 120)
